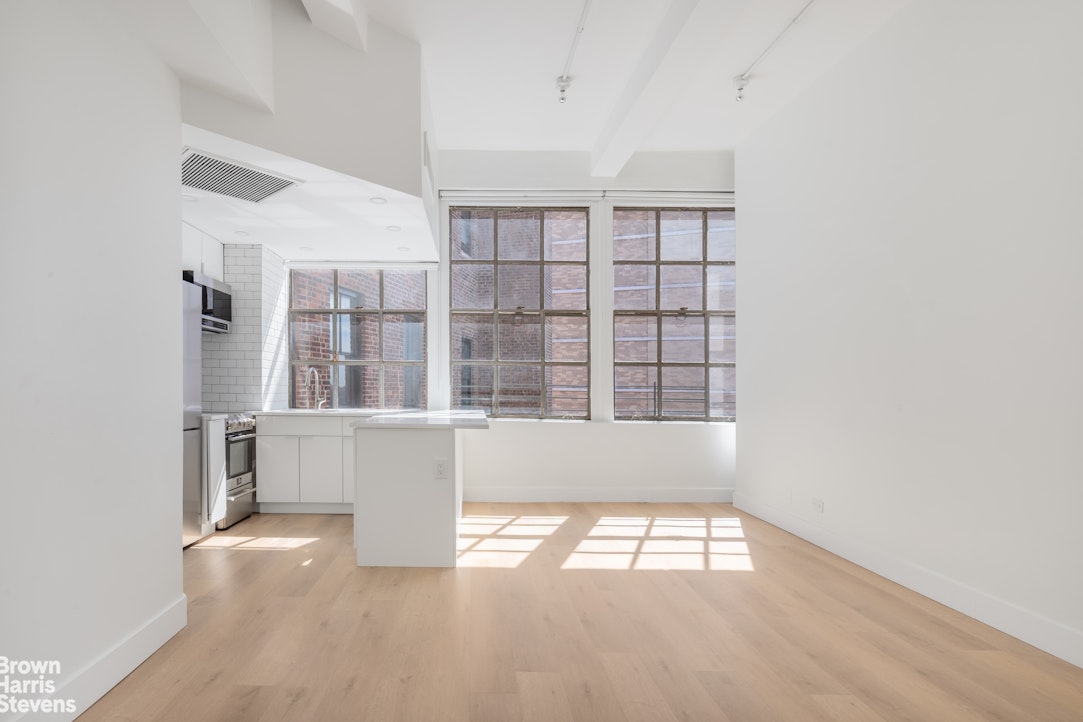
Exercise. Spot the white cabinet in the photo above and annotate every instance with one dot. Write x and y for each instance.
(201, 252)
(321, 469)
(278, 468)
(301, 459)
(347, 469)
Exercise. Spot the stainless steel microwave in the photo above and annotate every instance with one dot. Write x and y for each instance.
(217, 312)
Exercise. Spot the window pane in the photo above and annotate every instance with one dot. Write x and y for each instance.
(565, 235)
(520, 285)
(683, 391)
(404, 386)
(635, 339)
(633, 287)
(566, 287)
(472, 234)
(722, 288)
(682, 339)
(311, 289)
(311, 388)
(520, 337)
(723, 339)
(724, 392)
(682, 235)
(519, 235)
(721, 236)
(404, 337)
(634, 393)
(633, 235)
(519, 391)
(310, 336)
(472, 337)
(358, 336)
(471, 286)
(472, 386)
(358, 386)
(404, 290)
(358, 289)
(682, 286)
(566, 338)
(566, 391)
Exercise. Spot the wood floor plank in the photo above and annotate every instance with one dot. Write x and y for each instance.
(585, 612)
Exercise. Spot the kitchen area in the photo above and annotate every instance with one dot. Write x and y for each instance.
(219, 457)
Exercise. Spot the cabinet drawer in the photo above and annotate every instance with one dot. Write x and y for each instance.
(298, 426)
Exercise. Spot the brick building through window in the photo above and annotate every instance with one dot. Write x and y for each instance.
(520, 330)
(357, 338)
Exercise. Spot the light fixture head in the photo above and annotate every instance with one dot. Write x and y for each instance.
(563, 83)
(740, 82)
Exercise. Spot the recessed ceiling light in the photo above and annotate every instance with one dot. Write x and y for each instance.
(304, 248)
(240, 233)
(188, 197)
(394, 229)
(378, 200)
(403, 249)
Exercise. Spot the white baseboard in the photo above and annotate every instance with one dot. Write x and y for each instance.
(584, 494)
(1046, 634)
(304, 508)
(90, 683)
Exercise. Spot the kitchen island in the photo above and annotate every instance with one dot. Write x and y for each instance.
(408, 486)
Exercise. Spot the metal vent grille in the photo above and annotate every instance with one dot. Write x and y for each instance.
(230, 178)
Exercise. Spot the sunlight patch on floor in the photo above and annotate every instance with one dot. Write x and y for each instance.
(263, 543)
(502, 541)
(663, 543)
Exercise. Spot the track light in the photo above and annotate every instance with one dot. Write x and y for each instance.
(740, 82)
(563, 83)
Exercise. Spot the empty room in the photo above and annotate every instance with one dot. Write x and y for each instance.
(566, 360)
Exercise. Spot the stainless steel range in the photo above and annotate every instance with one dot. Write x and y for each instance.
(240, 469)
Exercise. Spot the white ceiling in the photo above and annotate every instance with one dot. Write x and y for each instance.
(647, 75)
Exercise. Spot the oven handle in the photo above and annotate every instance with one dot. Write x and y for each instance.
(240, 437)
(246, 492)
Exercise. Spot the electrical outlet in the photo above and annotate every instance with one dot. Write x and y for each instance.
(439, 468)
(818, 505)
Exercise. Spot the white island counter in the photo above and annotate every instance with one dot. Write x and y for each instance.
(408, 486)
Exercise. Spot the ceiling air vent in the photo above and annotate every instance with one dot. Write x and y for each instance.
(230, 178)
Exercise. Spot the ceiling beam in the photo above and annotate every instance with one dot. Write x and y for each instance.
(347, 20)
(686, 41)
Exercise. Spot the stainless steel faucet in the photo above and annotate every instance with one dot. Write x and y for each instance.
(313, 377)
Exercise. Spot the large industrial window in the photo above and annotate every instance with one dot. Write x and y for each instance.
(519, 312)
(357, 338)
(674, 314)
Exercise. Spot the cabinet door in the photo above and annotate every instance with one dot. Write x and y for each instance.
(321, 469)
(277, 468)
(347, 469)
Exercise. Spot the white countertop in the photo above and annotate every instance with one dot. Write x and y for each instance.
(328, 412)
(467, 419)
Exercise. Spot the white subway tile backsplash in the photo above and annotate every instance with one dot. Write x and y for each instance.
(248, 367)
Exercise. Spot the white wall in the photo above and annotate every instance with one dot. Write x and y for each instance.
(91, 362)
(372, 132)
(910, 311)
(564, 170)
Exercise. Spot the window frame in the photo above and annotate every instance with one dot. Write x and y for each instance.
(337, 365)
(659, 314)
(503, 315)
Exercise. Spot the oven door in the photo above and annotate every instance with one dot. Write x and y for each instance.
(240, 456)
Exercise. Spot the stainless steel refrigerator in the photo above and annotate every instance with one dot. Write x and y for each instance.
(192, 525)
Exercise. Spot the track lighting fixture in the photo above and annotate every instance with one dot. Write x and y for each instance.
(740, 82)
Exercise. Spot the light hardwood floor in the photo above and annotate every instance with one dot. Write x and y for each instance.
(587, 612)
